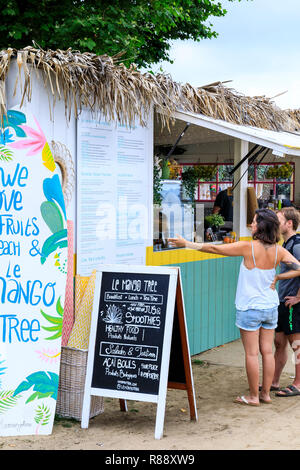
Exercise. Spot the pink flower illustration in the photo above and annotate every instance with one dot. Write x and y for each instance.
(35, 143)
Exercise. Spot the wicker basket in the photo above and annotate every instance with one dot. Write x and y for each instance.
(71, 385)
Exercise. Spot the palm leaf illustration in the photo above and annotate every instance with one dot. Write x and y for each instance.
(54, 242)
(53, 192)
(7, 400)
(52, 216)
(14, 119)
(43, 414)
(45, 384)
(2, 369)
(57, 321)
(5, 154)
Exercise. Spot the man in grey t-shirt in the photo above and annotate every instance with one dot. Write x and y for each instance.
(288, 329)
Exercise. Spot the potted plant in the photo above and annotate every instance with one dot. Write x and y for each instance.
(157, 184)
(189, 179)
(214, 221)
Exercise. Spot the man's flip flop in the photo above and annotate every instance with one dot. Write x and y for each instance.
(244, 401)
(289, 391)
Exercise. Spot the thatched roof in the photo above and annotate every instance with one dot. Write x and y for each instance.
(103, 83)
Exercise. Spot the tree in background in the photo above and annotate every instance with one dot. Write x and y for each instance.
(142, 29)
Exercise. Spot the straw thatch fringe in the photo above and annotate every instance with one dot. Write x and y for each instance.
(102, 84)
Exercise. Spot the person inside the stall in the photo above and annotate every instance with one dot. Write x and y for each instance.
(256, 299)
(223, 205)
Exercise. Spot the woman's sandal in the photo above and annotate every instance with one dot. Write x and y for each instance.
(266, 402)
(243, 401)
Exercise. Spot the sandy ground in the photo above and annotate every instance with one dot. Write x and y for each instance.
(219, 376)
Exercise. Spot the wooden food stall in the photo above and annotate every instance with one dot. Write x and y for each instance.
(111, 143)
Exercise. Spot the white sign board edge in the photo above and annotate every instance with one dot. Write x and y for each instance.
(160, 399)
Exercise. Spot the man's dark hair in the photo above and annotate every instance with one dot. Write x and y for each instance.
(267, 226)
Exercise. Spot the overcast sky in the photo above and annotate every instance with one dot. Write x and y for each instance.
(258, 48)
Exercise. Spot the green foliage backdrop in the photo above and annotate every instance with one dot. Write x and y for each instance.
(142, 29)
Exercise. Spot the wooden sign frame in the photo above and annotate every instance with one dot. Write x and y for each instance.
(174, 297)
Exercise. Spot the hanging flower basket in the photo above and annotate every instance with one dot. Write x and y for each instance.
(284, 171)
(206, 172)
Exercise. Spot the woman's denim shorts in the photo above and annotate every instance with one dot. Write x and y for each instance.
(254, 319)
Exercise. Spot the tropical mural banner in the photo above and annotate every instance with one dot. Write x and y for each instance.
(33, 260)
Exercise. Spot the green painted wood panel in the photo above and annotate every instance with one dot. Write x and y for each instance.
(209, 292)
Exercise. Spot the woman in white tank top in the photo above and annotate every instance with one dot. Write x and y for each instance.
(256, 302)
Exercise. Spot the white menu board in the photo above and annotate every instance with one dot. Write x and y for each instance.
(114, 193)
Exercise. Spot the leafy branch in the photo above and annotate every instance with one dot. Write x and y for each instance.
(7, 400)
(43, 415)
(57, 322)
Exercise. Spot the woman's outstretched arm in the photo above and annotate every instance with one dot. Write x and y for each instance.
(230, 249)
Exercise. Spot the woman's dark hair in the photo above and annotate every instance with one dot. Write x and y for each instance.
(267, 226)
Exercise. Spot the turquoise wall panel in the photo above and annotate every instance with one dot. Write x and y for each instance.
(209, 292)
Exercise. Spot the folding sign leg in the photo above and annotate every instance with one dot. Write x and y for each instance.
(160, 417)
(86, 406)
(123, 405)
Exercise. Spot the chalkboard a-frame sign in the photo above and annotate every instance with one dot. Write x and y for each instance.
(138, 343)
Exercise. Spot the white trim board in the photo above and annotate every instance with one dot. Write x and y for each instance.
(284, 143)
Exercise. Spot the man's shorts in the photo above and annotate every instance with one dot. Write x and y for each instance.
(288, 319)
(252, 319)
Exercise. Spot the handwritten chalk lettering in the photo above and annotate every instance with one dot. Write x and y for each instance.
(149, 375)
(10, 248)
(125, 363)
(128, 388)
(114, 336)
(149, 366)
(11, 226)
(115, 284)
(109, 362)
(18, 178)
(21, 331)
(113, 296)
(111, 372)
(32, 293)
(119, 363)
(151, 309)
(119, 297)
(133, 285)
(150, 285)
(126, 375)
(111, 328)
(144, 320)
(127, 351)
(128, 337)
(134, 330)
